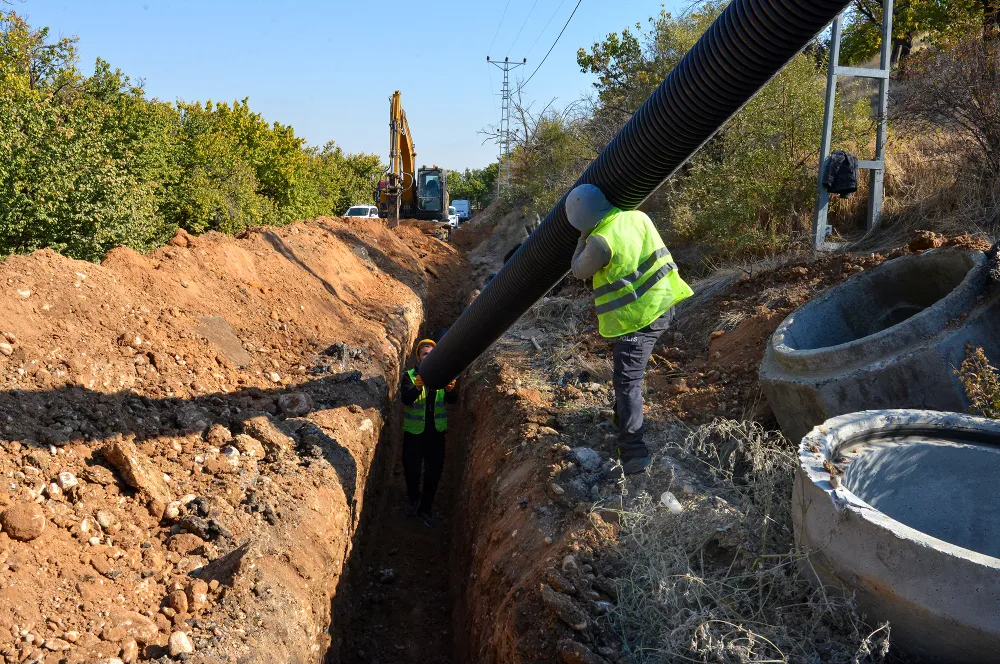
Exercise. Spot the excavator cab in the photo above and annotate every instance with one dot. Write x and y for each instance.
(432, 194)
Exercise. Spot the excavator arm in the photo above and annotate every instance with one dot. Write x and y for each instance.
(400, 190)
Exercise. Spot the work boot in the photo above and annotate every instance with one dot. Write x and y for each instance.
(634, 457)
(635, 465)
(425, 516)
(412, 507)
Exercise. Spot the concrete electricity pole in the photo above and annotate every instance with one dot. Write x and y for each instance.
(503, 134)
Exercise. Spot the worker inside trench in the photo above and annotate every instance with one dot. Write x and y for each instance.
(397, 603)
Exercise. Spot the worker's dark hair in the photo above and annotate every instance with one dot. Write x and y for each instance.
(511, 253)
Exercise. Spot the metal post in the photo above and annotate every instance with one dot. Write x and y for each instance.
(877, 178)
(875, 166)
(822, 195)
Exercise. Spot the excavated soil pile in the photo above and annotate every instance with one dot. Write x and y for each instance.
(188, 435)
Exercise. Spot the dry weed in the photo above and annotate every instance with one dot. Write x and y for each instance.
(930, 186)
(718, 582)
(982, 383)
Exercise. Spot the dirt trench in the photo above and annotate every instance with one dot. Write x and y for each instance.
(201, 448)
(190, 438)
(397, 605)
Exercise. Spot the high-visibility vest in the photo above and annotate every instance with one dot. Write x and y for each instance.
(641, 282)
(415, 414)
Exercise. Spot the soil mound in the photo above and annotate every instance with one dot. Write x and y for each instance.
(188, 434)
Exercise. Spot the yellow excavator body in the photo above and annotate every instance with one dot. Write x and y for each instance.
(406, 191)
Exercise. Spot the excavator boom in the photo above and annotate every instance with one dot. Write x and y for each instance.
(400, 189)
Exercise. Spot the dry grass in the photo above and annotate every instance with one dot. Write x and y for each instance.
(930, 186)
(718, 582)
(560, 321)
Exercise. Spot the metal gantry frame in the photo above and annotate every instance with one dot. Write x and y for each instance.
(503, 135)
(876, 165)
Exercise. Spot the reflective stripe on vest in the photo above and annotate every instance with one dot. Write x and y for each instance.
(633, 296)
(641, 282)
(415, 414)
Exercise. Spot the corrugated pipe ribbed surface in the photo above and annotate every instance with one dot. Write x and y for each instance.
(749, 43)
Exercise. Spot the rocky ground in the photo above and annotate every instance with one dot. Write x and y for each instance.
(187, 437)
(200, 450)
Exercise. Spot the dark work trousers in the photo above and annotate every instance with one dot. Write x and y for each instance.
(427, 450)
(631, 355)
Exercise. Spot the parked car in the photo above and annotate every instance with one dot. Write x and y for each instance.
(366, 211)
(464, 209)
(452, 216)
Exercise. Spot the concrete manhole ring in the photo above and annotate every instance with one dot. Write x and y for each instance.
(890, 337)
(897, 507)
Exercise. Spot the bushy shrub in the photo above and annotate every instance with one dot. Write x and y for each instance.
(748, 191)
(754, 186)
(90, 162)
(954, 90)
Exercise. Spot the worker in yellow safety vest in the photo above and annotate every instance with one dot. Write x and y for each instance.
(636, 285)
(425, 421)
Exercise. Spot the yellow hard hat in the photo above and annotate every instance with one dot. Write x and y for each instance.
(425, 342)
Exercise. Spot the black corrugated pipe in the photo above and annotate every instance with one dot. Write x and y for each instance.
(746, 46)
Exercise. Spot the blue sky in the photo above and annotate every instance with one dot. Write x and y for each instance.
(328, 68)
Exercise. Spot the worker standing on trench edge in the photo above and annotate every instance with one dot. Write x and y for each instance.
(425, 421)
(636, 285)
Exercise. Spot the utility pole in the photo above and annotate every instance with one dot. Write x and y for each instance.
(503, 134)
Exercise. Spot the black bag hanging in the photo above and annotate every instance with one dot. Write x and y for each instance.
(841, 173)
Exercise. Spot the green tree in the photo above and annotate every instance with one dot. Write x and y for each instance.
(933, 20)
(88, 163)
(477, 185)
(333, 180)
(548, 162)
(631, 64)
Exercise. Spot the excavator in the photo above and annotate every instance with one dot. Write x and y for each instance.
(406, 192)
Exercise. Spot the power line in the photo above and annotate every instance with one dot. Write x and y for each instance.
(522, 27)
(498, 27)
(547, 24)
(553, 45)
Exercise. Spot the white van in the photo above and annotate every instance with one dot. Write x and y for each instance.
(464, 209)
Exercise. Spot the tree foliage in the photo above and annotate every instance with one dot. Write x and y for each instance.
(630, 65)
(91, 162)
(556, 150)
(477, 185)
(756, 181)
(934, 21)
